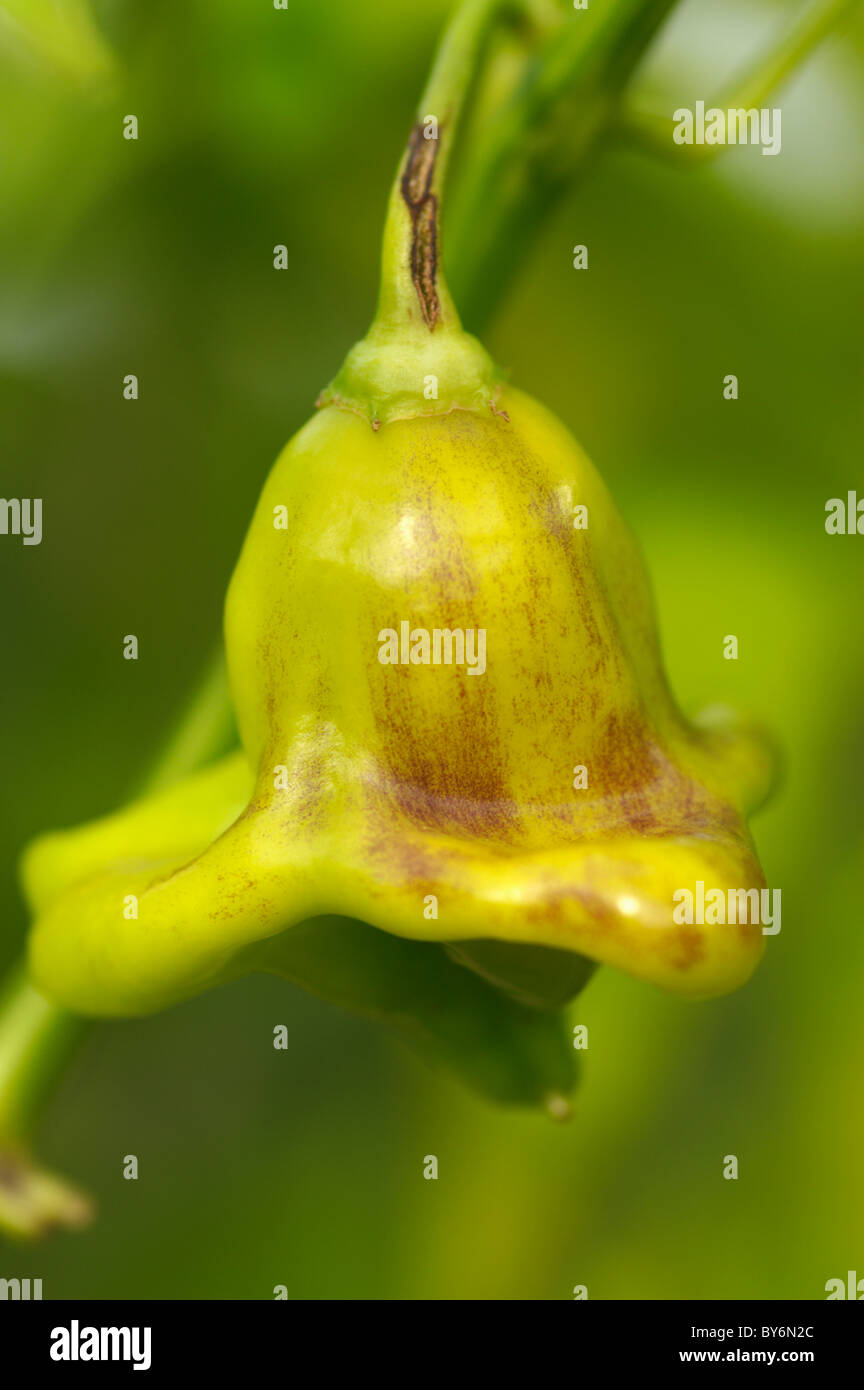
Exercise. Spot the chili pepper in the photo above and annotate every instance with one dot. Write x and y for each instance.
(437, 616)
(385, 792)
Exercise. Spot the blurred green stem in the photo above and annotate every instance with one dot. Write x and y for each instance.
(37, 1039)
(538, 141)
(62, 34)
(653, 132)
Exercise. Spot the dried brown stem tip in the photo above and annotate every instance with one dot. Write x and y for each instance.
(422, 205)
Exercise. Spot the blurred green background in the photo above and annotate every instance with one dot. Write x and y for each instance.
(304, 1167)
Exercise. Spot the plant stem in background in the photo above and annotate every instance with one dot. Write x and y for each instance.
(653, 132)
(539, 142)
(63, 35)
(36, 1042)
(38, 1039)
(571, 98)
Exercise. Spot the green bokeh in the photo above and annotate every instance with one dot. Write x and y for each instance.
(304, 1168)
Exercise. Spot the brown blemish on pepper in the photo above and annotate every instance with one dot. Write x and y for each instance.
(450, 776)
(405, 861)
(422, 205)
(441, 755)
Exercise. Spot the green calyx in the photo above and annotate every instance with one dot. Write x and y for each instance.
(416, 358)
(391, 375)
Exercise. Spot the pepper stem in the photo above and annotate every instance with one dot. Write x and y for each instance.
(413, 288)
(35, 1039)
(415, 359)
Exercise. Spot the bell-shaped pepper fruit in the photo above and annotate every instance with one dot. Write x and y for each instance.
(438, 614)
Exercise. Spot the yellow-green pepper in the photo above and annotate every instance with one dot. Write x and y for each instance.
(403, 836)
